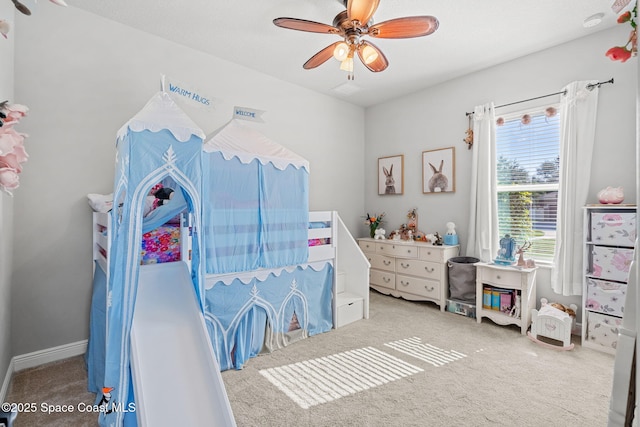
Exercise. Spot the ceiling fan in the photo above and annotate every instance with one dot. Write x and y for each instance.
(354, 23)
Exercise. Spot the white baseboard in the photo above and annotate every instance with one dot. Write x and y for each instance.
(41, 357)
(5, 383)
(53, 354)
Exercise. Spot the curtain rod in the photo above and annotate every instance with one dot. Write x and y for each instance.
(590, 86)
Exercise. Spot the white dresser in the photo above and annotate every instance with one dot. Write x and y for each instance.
(412, 270)
(610, 235)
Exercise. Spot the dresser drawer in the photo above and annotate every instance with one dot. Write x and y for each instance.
(606, 297)
(381, 262)
(414, 267)
(397, 250)
(423, 287)
(613, 228)
(503, 278)
(611, 263)
(382, 278)
(367, 246)
(603, 330)
(431, 253)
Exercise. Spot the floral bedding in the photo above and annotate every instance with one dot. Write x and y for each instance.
(161, 244)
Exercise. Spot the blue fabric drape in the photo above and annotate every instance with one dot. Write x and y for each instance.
(144, 159)
(94, 356)
(231, 214)
(255, 215)
(238, 314)
(284, 216)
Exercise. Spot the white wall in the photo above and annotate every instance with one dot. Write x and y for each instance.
(435, 118)
(83, 77)
(6, 204)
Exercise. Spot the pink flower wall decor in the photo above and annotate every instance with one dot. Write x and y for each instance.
(623, 53)
(12, 151)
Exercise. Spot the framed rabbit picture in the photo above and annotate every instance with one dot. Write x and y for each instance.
(439, 171)
(391, 175)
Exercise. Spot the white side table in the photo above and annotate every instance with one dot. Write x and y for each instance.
(522, 280)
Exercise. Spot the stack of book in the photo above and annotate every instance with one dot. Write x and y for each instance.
(498, 299)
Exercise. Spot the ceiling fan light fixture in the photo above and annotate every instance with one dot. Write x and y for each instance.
(341, 51)
(369, 54)
(347, 64)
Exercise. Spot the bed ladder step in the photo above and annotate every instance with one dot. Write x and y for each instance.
(349, 306)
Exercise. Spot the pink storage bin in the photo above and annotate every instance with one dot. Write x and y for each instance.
(613, 228)
(611, 263)
(606, 297)
(603, 330)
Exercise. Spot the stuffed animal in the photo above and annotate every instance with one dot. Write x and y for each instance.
(163, 196)
(379, 233)
(438, 241)
(158, 196)
(570, 310)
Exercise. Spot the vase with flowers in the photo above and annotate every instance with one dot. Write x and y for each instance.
(374, 221)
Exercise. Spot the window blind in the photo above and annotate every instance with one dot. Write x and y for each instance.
(528, 165)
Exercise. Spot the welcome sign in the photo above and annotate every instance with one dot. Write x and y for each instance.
(249, 114)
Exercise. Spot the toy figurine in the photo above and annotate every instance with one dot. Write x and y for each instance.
(438, 241)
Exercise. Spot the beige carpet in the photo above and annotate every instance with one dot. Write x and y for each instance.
(411, 365)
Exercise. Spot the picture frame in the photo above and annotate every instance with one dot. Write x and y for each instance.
(439, 171)
(391, 175)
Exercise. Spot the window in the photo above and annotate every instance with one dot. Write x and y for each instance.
(528, 166)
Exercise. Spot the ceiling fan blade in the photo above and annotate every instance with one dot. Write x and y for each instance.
(304, 25)
(320, 57)
(375, 63)
(361, 10)
(404, 28)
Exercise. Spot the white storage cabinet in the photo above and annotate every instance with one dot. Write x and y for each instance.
(609, 239)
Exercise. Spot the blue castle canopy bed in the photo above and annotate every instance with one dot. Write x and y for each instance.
(231, 216)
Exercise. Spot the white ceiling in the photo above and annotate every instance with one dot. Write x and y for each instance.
(473, 34)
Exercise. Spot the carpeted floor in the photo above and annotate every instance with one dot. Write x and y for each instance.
(409, 365)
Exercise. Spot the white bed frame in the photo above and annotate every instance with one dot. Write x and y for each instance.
(351, 296)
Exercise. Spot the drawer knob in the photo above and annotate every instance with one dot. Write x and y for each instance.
(385, 262)
(403, 283)
(498, 277)
(408, 251)
(429, 289)
(430, 270)
(403, 265)
(386, 279)
(428, 252)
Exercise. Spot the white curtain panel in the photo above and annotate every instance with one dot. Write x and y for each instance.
(483, 219)
(578, 124)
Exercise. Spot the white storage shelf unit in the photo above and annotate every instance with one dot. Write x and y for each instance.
(609, 240)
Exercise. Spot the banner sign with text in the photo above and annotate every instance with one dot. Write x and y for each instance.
(249, 114)
(186, 93)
